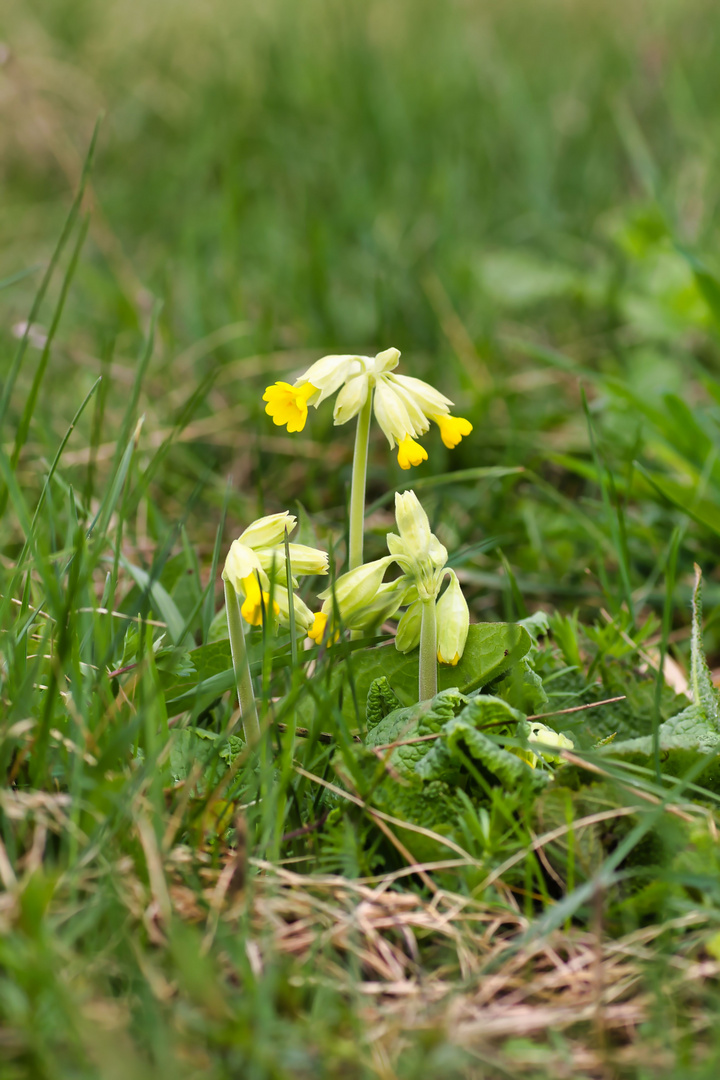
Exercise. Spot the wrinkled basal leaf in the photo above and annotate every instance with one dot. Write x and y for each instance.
(425, 718)
(491, 649)
(461, 737)
(380, 702)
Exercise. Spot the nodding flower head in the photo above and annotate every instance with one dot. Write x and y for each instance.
(403, 406)
(416, 549)
(256, 567)
(362, 600)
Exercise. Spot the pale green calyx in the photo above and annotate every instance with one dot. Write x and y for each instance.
(408, 628)
(453, 622)
(269, 531)
(417, 550)
(355, 592)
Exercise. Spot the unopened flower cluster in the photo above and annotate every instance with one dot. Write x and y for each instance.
(256, 567)
(360, 599)
(403, 406)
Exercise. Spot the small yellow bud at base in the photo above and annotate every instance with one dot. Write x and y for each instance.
(255, 600)
(410, 453)
(452, 429)
(316, 631)
(452, 662)
(287, 404)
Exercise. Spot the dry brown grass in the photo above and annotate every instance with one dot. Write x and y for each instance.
(573, 1003)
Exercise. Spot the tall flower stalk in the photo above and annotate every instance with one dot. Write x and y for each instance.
(427, 663)
(241, 666)
(358, 484)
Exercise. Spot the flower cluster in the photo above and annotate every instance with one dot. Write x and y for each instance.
(256, 567)
(403, 406)
(361, 600)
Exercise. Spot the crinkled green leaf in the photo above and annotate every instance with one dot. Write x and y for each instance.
(380, 702)
(461, 736)
(425, 718)
(431, 805)
(491, 649)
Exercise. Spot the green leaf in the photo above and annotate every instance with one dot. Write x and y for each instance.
(697, 728)
(380, 702)
(162, 602)
(461, 738)
(424, 718)
(491, 649)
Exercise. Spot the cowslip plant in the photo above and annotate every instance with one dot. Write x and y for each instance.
(403, 407)
(256, 570)
(361, 600)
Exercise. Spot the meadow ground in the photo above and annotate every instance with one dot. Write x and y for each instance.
(199, 199)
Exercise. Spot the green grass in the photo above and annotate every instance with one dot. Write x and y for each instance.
(523, 199)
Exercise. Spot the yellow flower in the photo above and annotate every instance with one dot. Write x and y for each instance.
(288, 404)
(256, 567)
(410, 453)
(317, 629)
(403, 405)
(452, 429)
(255, 601)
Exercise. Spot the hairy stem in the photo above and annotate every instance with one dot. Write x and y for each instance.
(428, 651)
(241, 667)
(357, 491)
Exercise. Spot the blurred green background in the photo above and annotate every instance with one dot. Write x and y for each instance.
(524, 198)
(508, 193)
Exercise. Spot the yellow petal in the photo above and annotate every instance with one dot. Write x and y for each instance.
(452, 429)
(255, 601)
(453, 662)
(317, 629)
(410, 453)
(287, 404)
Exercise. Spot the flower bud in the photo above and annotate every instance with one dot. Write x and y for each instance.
(392, 416)
(304, 559)
(241, 563)
(351, 399)
(330, 372)
(385, 361)
(453, 620)
(304, 617)
(387, 600)
(425, 396)
(408, 629)
(413, 524)
(540, 733)
(268, 531)
(355, 590)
